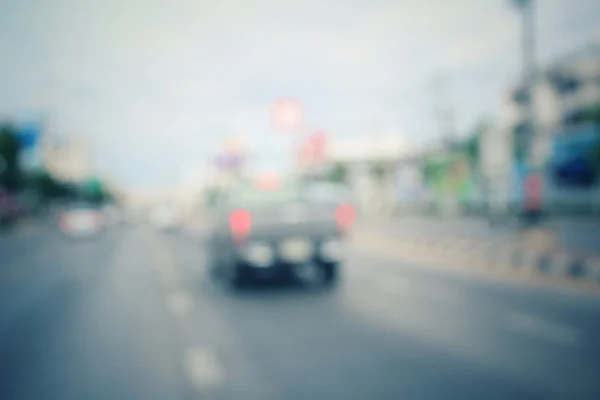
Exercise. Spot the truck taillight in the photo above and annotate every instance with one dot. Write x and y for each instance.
(345, 215)
(240, 222)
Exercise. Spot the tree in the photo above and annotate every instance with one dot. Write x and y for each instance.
(378, 171)
(47, 186)
(473, 143)
(95, 191)
(592, 114)
(10, 172)
(338, 173)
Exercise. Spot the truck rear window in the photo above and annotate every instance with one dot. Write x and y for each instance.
(259, 197)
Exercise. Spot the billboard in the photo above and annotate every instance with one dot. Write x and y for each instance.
(29, 135)
(450, 176)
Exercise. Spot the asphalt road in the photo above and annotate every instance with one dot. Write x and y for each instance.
(133, 315)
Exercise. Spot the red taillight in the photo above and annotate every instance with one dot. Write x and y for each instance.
(240, 222)
(344, 215)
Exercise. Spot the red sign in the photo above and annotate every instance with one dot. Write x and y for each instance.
(286, 115)
(533, 191)
(268, 181)
(317, 143)
(313, 150)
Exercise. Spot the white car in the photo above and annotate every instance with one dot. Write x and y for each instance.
(81, 220)
(164, 218)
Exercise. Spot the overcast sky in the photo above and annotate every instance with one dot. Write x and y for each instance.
(155, 85)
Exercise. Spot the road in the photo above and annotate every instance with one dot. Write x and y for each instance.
(133, 315)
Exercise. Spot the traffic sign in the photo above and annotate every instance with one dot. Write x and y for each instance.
(317, 142)
(533, 191)
(286, 115)
(29, 134)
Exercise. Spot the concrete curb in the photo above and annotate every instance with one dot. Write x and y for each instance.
(482, 255)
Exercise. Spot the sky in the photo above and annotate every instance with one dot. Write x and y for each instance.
(156, 86)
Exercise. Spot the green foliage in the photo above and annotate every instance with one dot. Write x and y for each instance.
(592, 114)
(212, 197)
(430, 171)
(378, 171)
(338, 173)
(472, 144)
(10, 172)
(472, 149)
(47, 186)
(95, 191)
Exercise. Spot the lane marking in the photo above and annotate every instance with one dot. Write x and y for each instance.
(179, 303)
(547, 330)
(202, 368)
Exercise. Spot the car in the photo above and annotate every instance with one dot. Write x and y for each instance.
(296, 229)
(10, 207)
(81, 220)
(165, 218)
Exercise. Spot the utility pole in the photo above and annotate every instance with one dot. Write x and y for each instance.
(535, 158)
(444, 114)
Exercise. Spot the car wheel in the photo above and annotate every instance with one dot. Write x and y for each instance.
(330, 274)
(234, 275)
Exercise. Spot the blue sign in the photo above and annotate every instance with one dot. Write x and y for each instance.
(29, 135)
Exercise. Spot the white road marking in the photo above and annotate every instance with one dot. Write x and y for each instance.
(202, 368)
(179, 303)
(536, 326)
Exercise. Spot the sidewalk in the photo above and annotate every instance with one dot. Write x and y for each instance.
(576, 235)
(471, 245)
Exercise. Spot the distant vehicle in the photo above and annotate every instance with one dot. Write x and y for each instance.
(164, 218)
(81, 220)
(297, 229)
(10, 208)
(130, 215)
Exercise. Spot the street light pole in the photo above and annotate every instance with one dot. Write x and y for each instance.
(529, 72)
(534, 158)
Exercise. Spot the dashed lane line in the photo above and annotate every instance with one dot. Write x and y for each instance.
(202, 368)
(179, 303)
(544, 329)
